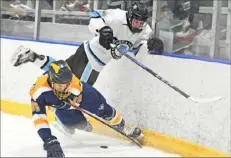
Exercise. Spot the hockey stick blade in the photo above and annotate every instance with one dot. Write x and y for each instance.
(194, 99)
(108, 125)
(205, 100)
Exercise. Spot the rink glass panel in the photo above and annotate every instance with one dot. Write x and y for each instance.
(198, 40)
(16, 22)
(66, 20)
(68, 24)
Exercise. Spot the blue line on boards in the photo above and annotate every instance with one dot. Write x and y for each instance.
(164, 54)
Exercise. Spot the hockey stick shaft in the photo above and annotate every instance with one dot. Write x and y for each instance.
(106, 124)
(157, 76)
(187, 96)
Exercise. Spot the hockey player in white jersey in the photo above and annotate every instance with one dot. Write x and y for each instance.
(129, 27)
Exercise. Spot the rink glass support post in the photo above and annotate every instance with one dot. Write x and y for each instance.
(228, 35)
(37, 19)
(214, 51)
(54, 9)
(154, 13)
(95, 5)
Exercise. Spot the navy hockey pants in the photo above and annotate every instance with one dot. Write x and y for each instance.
(92, 101)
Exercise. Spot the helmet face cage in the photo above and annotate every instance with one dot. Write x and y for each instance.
(60, 73)
(61, 94)
(137, 15)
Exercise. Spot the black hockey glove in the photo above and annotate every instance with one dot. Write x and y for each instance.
(53, 148)
(155, 44)
(105, 37)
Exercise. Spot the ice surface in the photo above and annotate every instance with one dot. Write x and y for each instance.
(20, 138)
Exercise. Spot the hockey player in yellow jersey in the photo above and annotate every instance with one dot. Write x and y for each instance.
(61, 91)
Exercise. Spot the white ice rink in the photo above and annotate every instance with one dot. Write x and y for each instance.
(19, 138)
(152, 105)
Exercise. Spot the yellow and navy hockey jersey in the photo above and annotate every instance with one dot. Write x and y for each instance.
(42, 96)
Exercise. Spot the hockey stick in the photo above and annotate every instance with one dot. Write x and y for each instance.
(123, 50)
(106, 124)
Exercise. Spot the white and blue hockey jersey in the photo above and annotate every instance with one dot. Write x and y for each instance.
(117, 20)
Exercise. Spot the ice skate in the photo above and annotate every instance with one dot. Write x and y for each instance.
(135, 133)
(24, 55)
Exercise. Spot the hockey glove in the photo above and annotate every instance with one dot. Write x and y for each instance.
(155, 45)
(105, 37)
(75, 101)
(53, 148)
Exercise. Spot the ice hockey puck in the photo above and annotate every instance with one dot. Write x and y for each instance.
(104, 146)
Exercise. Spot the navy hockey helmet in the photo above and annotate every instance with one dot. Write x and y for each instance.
(60, 73)
(137, 16)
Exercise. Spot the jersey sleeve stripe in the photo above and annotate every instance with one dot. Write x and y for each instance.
(38, 116)
(92, 54)
(75, 91)
(40, 121)
(42, 126)
(76, 86)
(39, 91)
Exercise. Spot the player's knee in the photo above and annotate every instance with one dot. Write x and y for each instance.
(70, 117)
(83, 125)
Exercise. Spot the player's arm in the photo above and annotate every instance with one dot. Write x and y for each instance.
(99, 25)
(51, 144)
(153, 44)
(98, 19)
(141, 41)
(40, 118)
(23, 55)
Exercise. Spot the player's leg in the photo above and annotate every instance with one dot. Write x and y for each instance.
(71, 120)
(24, 55)
(78, 63)
(94, 102)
